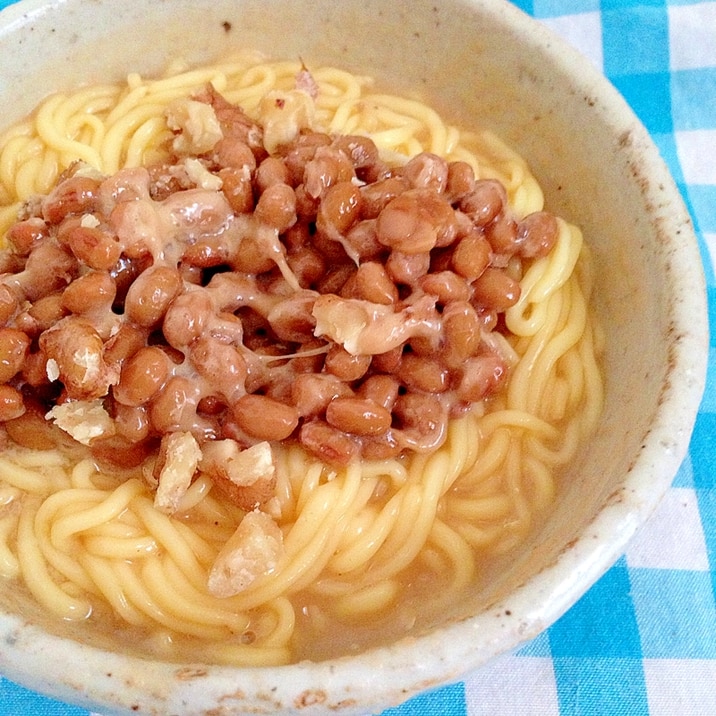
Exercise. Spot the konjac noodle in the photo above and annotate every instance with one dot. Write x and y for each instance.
(285, 362)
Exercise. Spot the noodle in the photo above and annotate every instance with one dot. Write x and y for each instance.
(355, 537)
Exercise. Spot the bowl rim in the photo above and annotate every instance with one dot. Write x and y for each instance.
(448, 653)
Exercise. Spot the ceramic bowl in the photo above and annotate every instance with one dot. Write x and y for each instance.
(480, 62)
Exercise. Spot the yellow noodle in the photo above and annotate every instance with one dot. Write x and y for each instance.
(281, 622)
(62, 558)
(479, 536)
(245, 654)
(316, 538)
(220, 611)
(542, 280)
(52, 133)
(120, 547)
(15, 142)
(408, 542)
(370, 541)
(9, 563)
(461, 558)
(309, 481)
(109, 508)
(480, 508)
(168, 534)
(367, 600)
(152, 601)
(355, 519)
(151, 133)
(35, 570)
(185, 603)
(110, 581)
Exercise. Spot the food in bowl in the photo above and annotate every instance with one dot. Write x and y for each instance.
(286, 362)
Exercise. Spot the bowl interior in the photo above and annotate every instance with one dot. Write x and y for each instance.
(480, 64)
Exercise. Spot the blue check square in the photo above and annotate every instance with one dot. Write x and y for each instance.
(636, 40)
(650, 97)
(449, 701)
(676, 613)
(18, 701)
(706, 248)
(524, 5)
(707, 508)
(595, 687)
(685, 475)
(666, 144)
(693, 98)
(602, 623)
(703, 450)
(556, 8)
(702, 198)
(538, 647)
(626, 6)
(708, 403)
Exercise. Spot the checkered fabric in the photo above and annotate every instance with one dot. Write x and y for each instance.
(642, 641)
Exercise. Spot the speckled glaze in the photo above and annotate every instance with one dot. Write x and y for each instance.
(481, 62)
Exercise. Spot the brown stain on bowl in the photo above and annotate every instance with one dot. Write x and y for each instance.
(189, 673)
(310, 697)
(342, 705)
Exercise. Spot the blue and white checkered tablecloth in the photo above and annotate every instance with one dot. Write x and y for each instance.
(642, 641)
